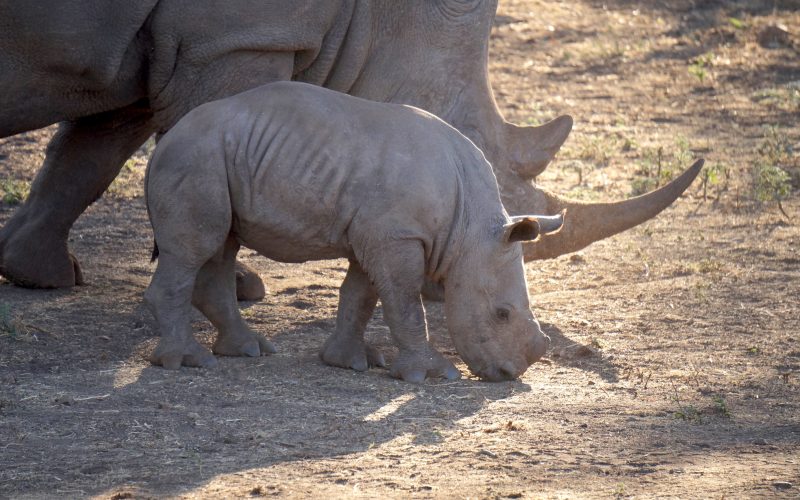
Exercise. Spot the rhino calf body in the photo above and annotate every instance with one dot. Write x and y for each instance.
(301, 173)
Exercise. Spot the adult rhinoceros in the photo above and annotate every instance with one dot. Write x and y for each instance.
(113, 72)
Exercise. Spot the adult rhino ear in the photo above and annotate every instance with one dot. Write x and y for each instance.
(529, 227)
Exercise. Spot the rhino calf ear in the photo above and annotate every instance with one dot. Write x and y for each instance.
(529, 227)
(550, 223)
(521, 229)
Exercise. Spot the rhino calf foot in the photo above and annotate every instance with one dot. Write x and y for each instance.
(350, 353)
(172, 355)
(243, 343)
(416, 366)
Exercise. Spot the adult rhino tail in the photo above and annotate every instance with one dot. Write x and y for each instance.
(586, 223)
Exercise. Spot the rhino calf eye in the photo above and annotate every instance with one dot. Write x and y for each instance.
(502, 313)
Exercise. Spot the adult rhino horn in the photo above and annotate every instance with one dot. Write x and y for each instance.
(530, 149)
(590, 222)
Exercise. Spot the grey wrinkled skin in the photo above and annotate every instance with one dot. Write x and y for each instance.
(301, 173)
(113, 72)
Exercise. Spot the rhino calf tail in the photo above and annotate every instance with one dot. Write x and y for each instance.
(154, 256)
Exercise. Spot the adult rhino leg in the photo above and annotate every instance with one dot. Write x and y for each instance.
(215, 296)
(346, 347)
(82, 159)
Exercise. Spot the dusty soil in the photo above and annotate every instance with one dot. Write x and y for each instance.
(675, 365)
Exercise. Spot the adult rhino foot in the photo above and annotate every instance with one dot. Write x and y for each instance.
(416, 366)
(350, 353)
(248, 284)
(172, 354)
(243, 343)
(37, 257)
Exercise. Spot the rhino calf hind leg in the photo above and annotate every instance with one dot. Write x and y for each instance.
(196, 251)
(215, 296)
(346, 347)
(82, 159)
(169, 299)
(397, 272)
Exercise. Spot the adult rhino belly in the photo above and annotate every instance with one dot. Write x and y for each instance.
(67, 60)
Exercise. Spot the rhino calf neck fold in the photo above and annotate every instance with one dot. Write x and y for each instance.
(301, 173)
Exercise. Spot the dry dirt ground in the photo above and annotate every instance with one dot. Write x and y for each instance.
(675, 365)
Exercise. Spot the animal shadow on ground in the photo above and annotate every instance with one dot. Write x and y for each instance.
(566, 352)
(173, 431)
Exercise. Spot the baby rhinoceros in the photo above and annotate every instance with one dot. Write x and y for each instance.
(300, 173)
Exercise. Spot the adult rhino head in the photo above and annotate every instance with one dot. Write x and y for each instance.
(451, 80)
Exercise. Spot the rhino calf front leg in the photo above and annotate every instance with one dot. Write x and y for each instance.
(346, 347)
(398, 275)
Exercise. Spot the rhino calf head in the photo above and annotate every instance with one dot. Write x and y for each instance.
(486, 300)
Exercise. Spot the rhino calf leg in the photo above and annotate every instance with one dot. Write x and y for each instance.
(398, 275)
(215, 296)
(346, 347)
(82, 159)
(196, 251)
(169, 299)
